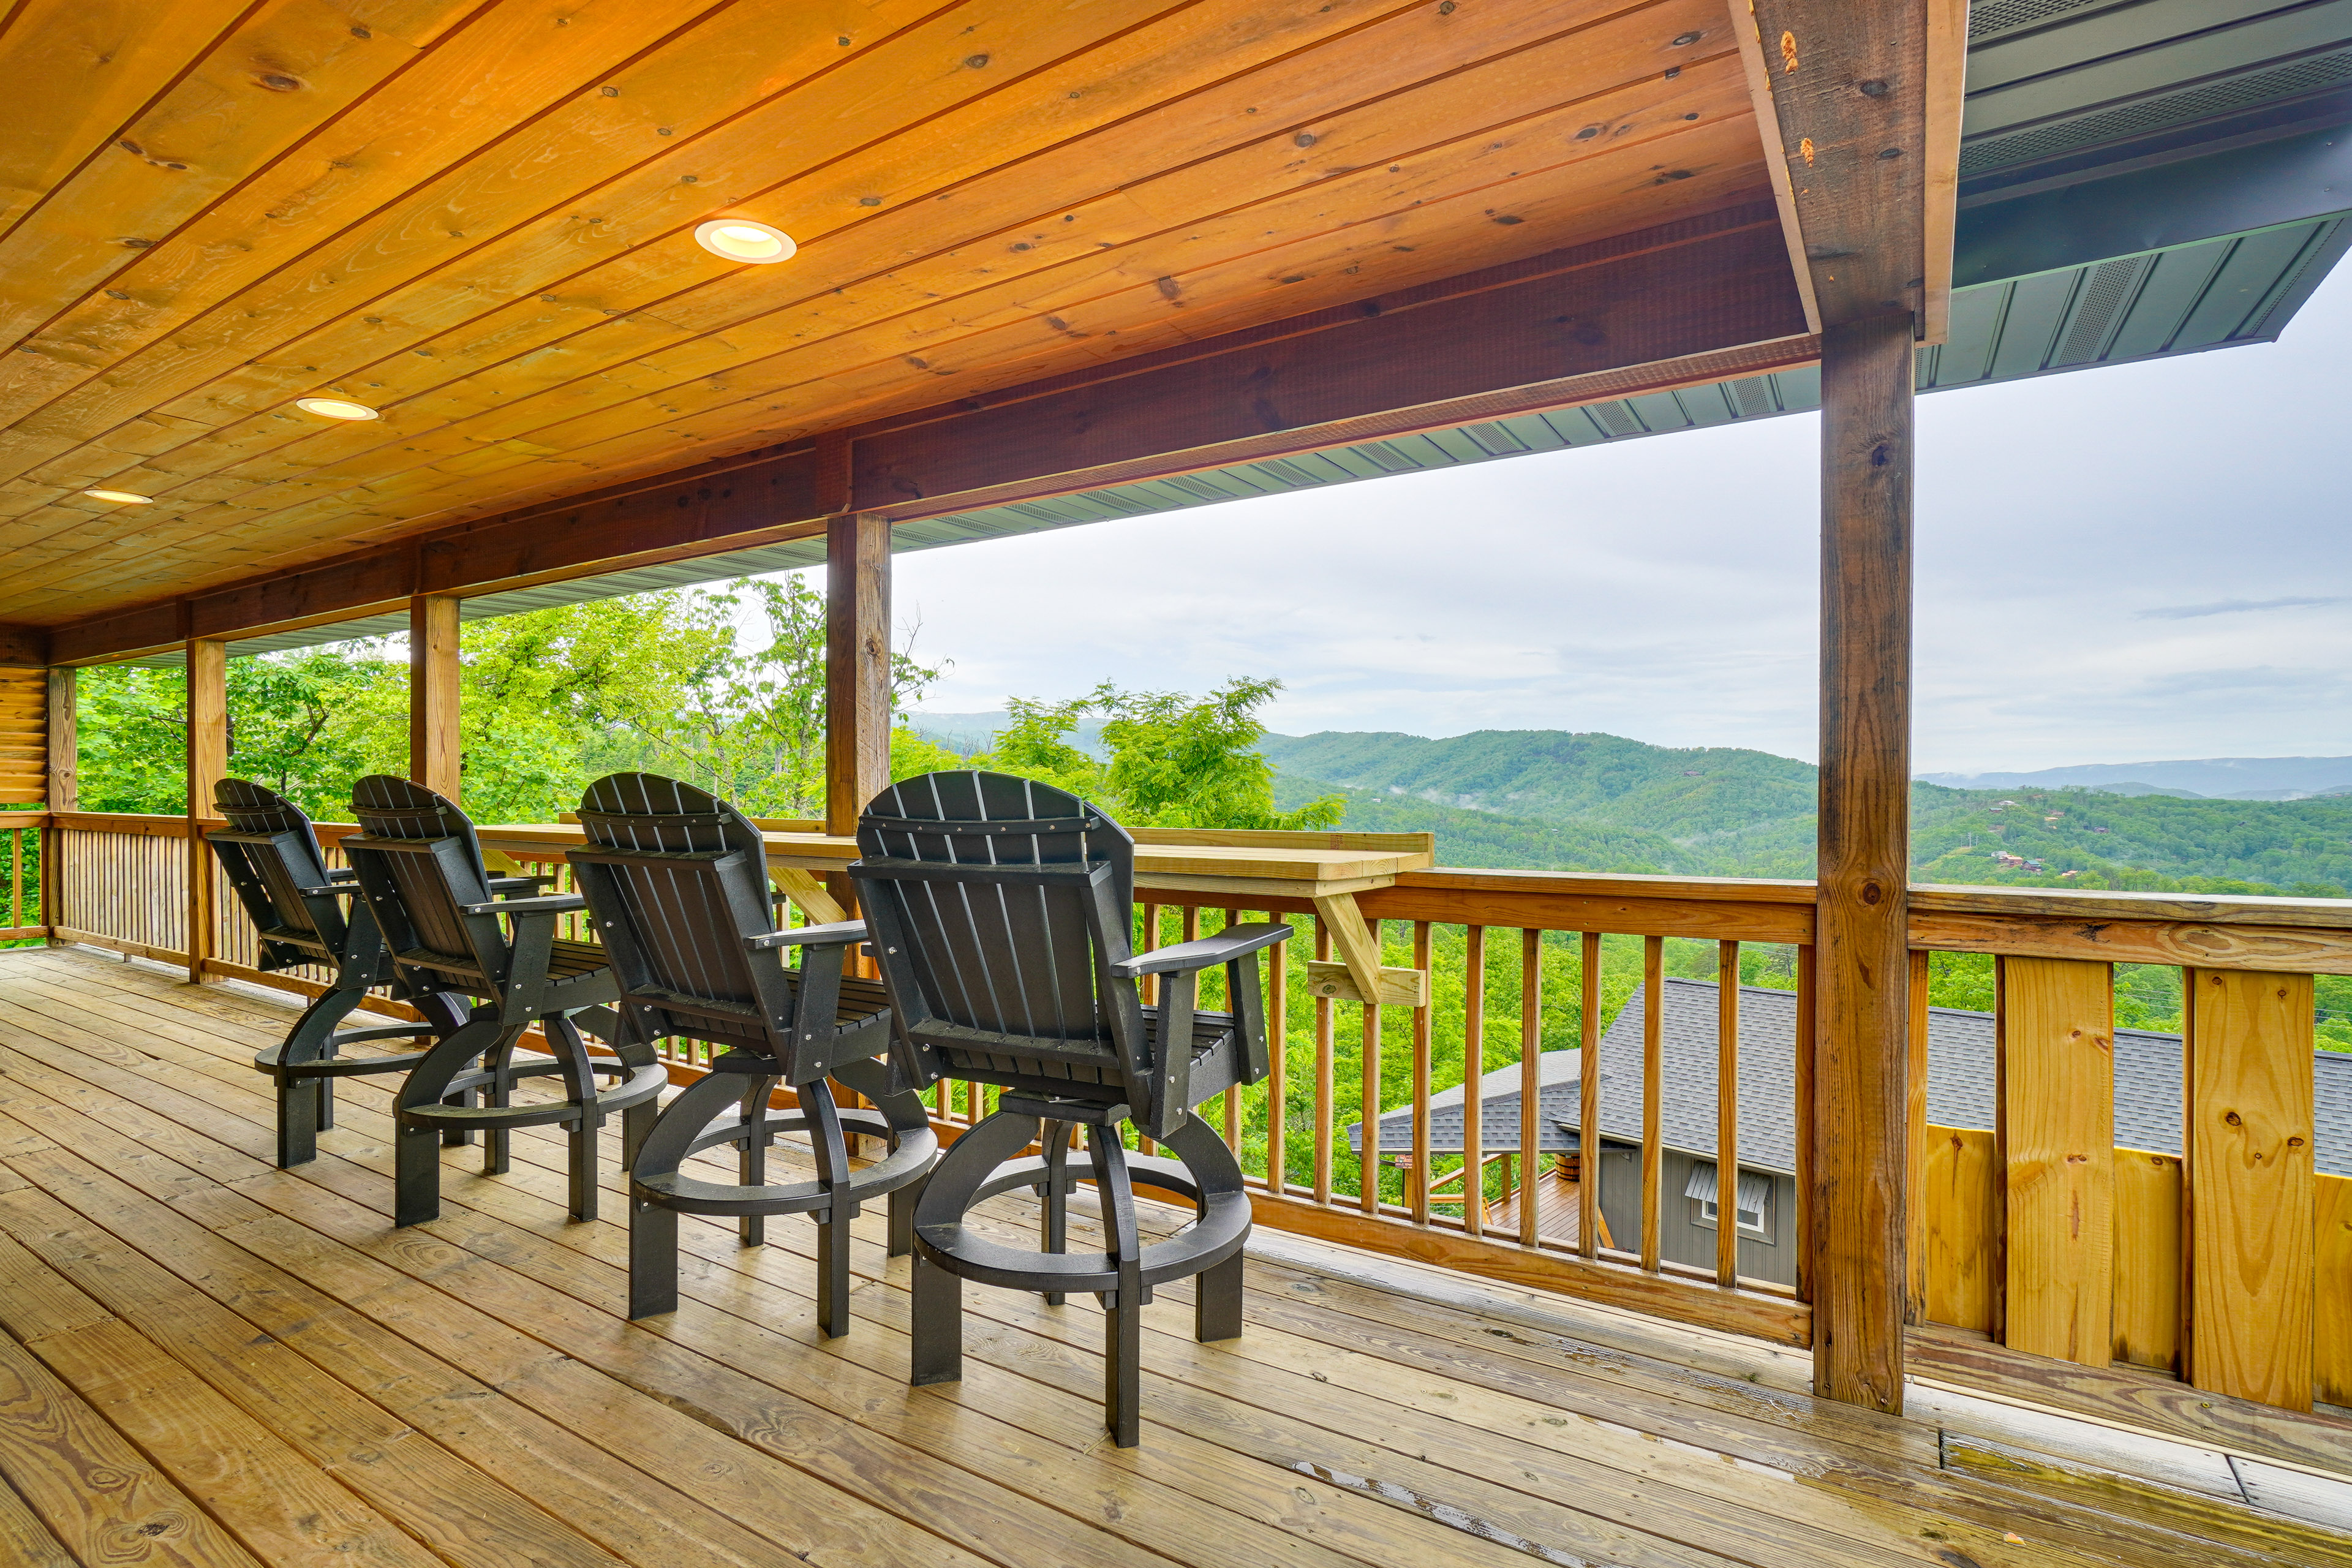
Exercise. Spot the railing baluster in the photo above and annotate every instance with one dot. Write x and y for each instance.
(1474, 1069)
(1323, 1069)
(1233, 1092)
(1588, 1096)
(1277, 1021)
(1727, 1113)
(1804, 1076)
(1530, 1080)
(1417, 1185)
(1368, 1172)
(1654, 1093)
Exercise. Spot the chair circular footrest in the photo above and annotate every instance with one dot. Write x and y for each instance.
(334, 1067)
(1204, 1244)
(641, 1085)
(910, 1160)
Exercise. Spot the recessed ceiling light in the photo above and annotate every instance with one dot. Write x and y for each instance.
(741, 239)
(335, 409)
(127, 498)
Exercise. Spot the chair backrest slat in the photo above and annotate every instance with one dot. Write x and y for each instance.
(1019, 957)
(419, 863)
(269, 853)
(678, 879)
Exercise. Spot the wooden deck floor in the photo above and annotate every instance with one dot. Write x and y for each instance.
(207, 1361)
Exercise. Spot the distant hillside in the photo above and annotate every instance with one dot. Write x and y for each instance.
(1547, 799)
(2226, 778)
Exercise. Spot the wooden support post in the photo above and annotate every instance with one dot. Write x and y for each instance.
(207, 765)
(2249, 1204)
(856, 666)
(435, 748)
(2057, 1142)
(63, 791)
(1861, 995)
(64, 787)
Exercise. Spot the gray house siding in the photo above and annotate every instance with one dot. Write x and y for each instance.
(1680, 1240)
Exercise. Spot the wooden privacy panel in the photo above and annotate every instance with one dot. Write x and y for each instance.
(2249, 1125)
(1959, 1195)
(2058, 1135)
(2148, 1260)
(23, 736)
(2331, 1338)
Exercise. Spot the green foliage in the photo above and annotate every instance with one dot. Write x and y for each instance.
(1176, 761)
(548, 700)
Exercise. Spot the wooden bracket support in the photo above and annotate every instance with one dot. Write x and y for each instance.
(1360, 976)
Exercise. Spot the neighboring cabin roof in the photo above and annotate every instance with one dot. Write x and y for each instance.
(1961, 1085)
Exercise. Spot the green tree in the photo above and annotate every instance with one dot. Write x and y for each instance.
(1176, 760)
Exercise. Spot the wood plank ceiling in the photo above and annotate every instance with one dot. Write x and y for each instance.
(478, 218)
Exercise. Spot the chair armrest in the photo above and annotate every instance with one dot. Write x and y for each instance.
(516, 884)
(552, 904)
(841, 933)
(342, 873)
(1238, 942)
(334, 892)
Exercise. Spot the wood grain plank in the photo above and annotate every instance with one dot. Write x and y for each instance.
(286, 66)
(2056, 1027)
(1962, 1202)
(2248, 1217)
(2148, 1260)
(2332, 1299)
(282, 1508)
(1107, 179)
(90, 1486)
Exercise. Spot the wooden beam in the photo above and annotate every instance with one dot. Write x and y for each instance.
(1847, 84)
(207, 765)
(856, 666)
(24, 647)
(2246, 1225)
(64, 755)
(2057, 1131)
(1691, 302)
(435, 744)
(1860, 1163)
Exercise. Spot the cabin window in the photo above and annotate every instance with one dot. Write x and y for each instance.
(1754, 1218)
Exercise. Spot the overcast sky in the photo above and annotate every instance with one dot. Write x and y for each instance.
(2126, 564)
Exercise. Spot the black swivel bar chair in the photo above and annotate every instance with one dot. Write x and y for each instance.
(1002, 911)
(420, 869)
(676, 882)
(269, 853)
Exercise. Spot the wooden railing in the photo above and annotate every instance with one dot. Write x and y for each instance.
(2230, 1263)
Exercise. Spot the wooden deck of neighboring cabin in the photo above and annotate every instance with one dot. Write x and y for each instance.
(211, 1362)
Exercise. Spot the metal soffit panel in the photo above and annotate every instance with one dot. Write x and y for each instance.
(2049, 77)
(2215, 293)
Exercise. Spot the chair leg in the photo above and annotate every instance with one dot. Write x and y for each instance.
(752, 1161)
(938, 1324)
(497, 1092)
(652, 1258)
(831, 1151)
(652, 1227)
(902, 1218)
(1053, 1223)
(636, 1125)
(1217, 1303)
(298, 1121)
(582, 1152)
(416, 1176)
(326, 1102)
(1123, 1311)
(458, 1136)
